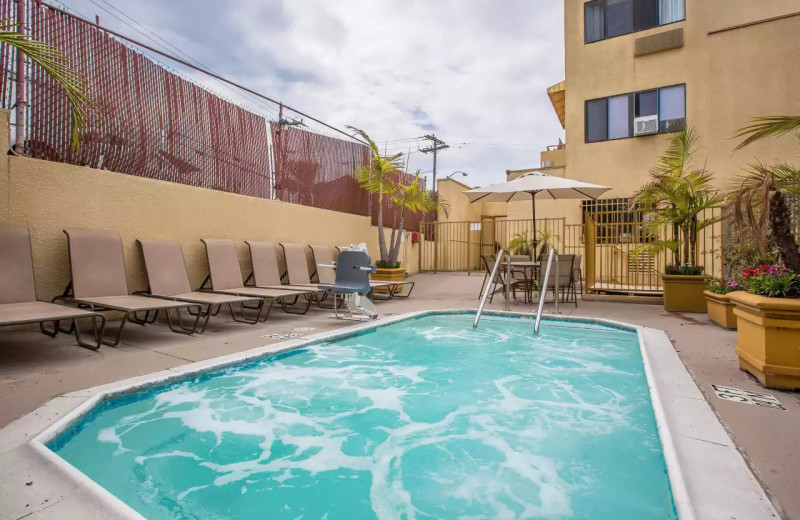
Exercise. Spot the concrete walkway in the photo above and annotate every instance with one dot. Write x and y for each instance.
(34, 368)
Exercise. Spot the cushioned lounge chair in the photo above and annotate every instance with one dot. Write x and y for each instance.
(225, 276)
(99, 283)
(168, 279)
(18, 302)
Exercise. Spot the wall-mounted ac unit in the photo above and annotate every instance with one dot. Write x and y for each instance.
(645, 125)
(548, 164)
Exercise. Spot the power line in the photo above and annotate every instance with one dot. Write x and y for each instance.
(167, 45)
(195, 67)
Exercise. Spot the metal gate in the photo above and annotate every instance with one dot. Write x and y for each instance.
(613, 263)
(457, 246)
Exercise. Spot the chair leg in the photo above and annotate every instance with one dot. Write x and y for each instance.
(287, 308)
(180, 328)
(114, 342)
(98, 334)
(396, 288)
(268, 307)
(244, 318)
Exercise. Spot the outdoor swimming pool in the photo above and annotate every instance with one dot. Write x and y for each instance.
(424, 418)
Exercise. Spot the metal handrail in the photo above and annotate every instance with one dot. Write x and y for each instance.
(490, 280)
(543, 289)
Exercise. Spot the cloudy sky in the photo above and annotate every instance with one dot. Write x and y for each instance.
(474, 73)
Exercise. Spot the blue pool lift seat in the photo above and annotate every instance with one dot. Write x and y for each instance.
(353, 268)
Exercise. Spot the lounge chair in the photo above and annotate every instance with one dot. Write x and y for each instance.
(266, 272)
(18, 302)
(225, 276)
(168, 279)
(323, 253)
(99, 283)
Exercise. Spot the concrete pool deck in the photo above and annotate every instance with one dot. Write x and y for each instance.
(34, 369)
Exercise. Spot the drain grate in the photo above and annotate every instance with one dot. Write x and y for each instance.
(282, 335)
(747, 397)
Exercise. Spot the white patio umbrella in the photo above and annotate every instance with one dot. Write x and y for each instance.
(533, 185)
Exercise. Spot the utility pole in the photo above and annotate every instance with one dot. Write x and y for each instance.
(436, 145)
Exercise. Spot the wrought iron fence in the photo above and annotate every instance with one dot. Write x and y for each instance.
(609, 243)
(616, 261)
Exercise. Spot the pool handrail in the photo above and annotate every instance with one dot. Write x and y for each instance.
(490, 280)
(543, 289)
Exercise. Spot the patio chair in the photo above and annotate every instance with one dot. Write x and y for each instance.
(577, 271)
(18, 302)
(168, 279)
(566, 279)
(519, 278)
(225, 276)
(323, 259)
(99, 282)
(488, 264)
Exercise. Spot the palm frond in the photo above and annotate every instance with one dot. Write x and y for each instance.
(59, 68)
(766, 127)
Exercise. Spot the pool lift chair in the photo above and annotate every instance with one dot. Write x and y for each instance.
(353, 268)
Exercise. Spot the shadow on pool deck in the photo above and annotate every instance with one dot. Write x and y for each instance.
(34, 368)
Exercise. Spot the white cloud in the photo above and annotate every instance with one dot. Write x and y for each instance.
(473, 72)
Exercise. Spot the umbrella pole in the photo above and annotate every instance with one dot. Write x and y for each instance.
(533, 238)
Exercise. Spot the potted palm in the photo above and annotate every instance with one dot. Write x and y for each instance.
(405, 193)
(521, 245)
(768, 311)
(720, 307)
(678, 194)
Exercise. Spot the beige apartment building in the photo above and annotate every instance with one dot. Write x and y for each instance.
(639, 69)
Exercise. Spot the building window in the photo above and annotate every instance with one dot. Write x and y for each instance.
(671, 11)
(605, 19)
(615, 117)
(619, 117)
(672, 108)
(597, 120)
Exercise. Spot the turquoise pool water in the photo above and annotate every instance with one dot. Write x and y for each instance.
(422, 419)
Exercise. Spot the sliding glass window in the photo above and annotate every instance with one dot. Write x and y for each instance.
(614, 117)
(603, 19)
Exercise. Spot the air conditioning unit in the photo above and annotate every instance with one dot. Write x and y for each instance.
(548, 164)
(645, 125)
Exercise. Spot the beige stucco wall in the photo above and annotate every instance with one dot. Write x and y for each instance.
(459, 209)
(730, 77)
(47, 197)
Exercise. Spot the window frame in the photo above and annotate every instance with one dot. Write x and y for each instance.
(633, 19)
(632, 112)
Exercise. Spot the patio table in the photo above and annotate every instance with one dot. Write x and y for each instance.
(528, 269)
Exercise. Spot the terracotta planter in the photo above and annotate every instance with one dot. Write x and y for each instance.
(769, 338)
(684, 293)
(720, 310)
(389, 275)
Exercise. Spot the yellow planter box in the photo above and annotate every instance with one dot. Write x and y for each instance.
(684, 293)
(768, 343)
(389, 275)
(720, 310)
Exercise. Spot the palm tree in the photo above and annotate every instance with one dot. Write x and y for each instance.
(759, 195)
(58, 67)
(677, 196)
(411, 196)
